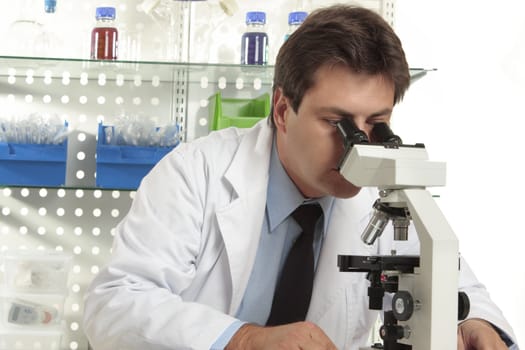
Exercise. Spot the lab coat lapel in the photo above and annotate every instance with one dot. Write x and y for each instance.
(240, 221)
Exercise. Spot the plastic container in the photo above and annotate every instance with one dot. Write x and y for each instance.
(254, 42)
(33, 164)
(237, 112)
(123, 167)
(295, 19)
(30, 340)
(37, 272)
(104, 37)
(31, 311)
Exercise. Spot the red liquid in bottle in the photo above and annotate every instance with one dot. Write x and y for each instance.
(104, 43)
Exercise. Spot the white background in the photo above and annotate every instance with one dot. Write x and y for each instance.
(470, 113)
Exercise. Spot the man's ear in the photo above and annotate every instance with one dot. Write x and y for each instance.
(280, 106)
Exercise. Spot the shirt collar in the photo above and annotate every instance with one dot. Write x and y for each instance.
(283, 197)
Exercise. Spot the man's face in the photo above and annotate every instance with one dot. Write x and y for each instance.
(308, 142)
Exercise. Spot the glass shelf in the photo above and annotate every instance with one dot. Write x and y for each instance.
(165, 71)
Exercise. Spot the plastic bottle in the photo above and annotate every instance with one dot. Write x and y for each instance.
(49, 42)
(254, 44)
(104, 37)
(294, 21)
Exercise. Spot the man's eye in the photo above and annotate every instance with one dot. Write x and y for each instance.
(333, 122)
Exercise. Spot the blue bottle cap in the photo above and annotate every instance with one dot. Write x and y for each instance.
(255, 17)
(297, 17)
(50, 6)
(105, 12)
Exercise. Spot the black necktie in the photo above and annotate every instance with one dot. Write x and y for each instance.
(294, 288)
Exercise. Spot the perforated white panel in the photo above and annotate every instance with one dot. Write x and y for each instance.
(76, 221)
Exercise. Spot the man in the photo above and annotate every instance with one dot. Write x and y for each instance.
(197, 261)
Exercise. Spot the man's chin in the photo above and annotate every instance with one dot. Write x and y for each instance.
(341, 187)
(347, 191)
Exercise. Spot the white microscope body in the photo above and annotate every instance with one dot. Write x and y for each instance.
(402, 173)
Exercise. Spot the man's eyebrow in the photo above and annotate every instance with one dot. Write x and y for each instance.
(346, 114)
(382, 112)
(335, 110)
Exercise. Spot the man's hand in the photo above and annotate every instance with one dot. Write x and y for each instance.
(294, 336)
(477, 334)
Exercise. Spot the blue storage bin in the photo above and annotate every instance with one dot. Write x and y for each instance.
(123, 167)
(33, 164)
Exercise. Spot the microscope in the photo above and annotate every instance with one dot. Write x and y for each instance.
(426, 304)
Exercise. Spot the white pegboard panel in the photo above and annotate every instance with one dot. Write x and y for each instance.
(79, 222)
(388, 11)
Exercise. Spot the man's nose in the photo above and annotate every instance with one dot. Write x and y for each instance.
(363, 126)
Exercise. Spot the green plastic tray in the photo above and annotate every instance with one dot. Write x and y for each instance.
(237, 112)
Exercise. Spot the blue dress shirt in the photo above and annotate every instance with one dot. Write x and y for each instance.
(279, 231)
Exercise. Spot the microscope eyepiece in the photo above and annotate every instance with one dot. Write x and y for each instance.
(351, 133)
(382, 133)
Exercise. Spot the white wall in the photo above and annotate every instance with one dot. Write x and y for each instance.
(470, 114)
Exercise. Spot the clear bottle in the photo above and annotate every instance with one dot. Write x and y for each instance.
(295, 19)
(254, 44)
(49, 42)
(104, 37)
(22, 33)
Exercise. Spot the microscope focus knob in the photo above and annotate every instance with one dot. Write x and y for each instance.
(463, 306)
(402, 305)
(393, 332)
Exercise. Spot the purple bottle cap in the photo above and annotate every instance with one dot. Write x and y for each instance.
(105, 12)
(297, 17)
(255, 17)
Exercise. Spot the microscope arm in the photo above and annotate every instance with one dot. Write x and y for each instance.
(434, 286)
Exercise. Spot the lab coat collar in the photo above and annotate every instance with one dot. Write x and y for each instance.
(249, 168)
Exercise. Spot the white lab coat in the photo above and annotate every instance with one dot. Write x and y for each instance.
(183, 255)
